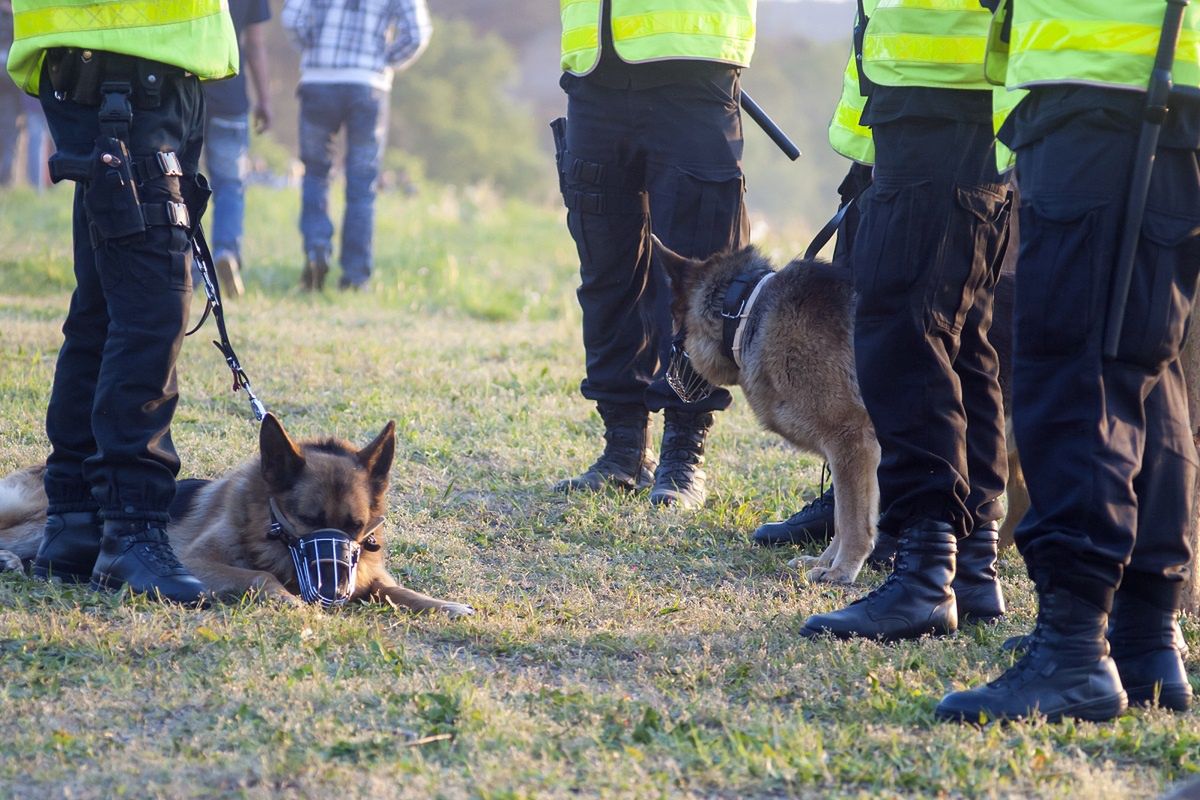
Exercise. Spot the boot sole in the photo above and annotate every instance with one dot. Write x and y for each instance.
(40, 573)
(936, 633)
(1172, 696)
(107, 585)
(1099, 710)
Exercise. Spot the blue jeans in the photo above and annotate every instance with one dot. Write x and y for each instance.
(324, 109)
(226, 142)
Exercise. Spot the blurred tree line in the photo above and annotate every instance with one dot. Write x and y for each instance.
(475, 107)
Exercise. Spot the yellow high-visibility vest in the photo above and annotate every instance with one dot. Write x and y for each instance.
(847, 135)
(195, 35)
(1095, 42)
(659, 30)
(935, 43)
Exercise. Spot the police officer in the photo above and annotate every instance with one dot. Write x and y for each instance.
(652, 141)
(120, 90)
(1105, 443)
(926, 257)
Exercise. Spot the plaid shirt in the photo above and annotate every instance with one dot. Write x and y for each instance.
(356, 41)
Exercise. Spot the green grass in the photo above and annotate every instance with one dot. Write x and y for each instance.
(618, 651)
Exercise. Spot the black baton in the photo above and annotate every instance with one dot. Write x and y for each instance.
(1158, 95)
(756, 113)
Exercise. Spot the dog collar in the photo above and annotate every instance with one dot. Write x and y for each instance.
(740, 298)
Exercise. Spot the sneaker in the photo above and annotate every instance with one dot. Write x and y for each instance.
(229, 274)
(316, 267)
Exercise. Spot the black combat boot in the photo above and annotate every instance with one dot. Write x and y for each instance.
(1065, 672)
(626, 462)
(137, 554)
(915, 600)
(812, 524)
(976, 585)
(679, 479)
(70, 544)
(1142, 633)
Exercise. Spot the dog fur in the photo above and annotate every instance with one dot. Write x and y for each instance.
(222, 535)
(798, 377)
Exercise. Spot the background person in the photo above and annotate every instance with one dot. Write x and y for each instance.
(1106, 444)
(123, 102)
(926, 258)
(349, 50)
(652, 143)
(227, 138)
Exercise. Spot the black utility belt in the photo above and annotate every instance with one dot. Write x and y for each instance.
(77, 74)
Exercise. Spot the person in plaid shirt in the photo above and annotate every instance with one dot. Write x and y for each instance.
(350, 50)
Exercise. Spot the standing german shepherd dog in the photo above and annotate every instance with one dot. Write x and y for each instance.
(221, 529)
(797, 371)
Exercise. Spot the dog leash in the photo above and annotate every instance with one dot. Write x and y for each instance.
(212, 289)
(825, 234)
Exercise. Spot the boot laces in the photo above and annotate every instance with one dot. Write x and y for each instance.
(1023, 669)
(157, 548)
(898, 569)
(624, 449)
(818, 505)
(683, 445)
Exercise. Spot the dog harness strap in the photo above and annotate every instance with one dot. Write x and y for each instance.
(739, 299)
(739, 335)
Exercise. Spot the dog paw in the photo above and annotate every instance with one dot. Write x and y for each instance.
(457, 610)
(10, 562)
(834, 576)
(803, 563)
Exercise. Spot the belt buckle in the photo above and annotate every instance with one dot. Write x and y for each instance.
(177, 213)
(168, 162)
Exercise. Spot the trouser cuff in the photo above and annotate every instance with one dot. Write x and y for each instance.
(72, 507)
(128, 513)
(1156, 590)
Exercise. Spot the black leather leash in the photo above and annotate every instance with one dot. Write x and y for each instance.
(825, 234)
(212, 289)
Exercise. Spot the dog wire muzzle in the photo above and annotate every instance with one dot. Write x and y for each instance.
(212, 290)
(689, 385)
(326, 559)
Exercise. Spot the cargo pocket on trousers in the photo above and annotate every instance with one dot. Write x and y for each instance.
(709, 214)
(890, 252)
(1162, 291)
(969, 254)
(1059, 280)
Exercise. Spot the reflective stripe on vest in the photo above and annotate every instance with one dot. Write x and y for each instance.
(934, 43)
(1003, 103)
(195, 35)
(1097, 42)
(847, 135)
(659, 30)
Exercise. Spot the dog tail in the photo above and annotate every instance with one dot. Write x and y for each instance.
(22, 511)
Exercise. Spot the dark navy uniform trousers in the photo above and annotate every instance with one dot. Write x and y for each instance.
(1106, 445)
(664, 159)
(114, 389)
(927, 255)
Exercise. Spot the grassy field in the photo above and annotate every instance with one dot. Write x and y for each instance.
(617, 651)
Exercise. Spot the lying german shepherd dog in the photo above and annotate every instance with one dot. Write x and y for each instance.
(301, 523)
(786, 338)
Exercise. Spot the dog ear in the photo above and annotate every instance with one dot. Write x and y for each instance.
(677, 268)
(376, 458)
(282, 461)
